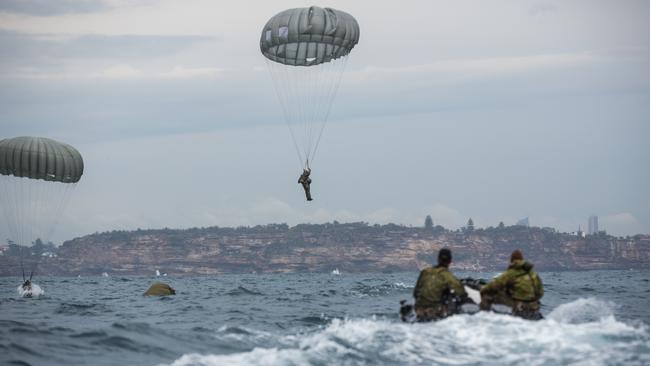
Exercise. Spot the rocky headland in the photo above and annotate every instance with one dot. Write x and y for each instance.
(353, 247)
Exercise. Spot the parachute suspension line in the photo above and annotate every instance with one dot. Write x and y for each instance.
(297, 82)
(306, 94)
(330, 101)
(293, 107)
(280, 92)
(47, 227)
(12, 212)
(322, 76)
(32, 209)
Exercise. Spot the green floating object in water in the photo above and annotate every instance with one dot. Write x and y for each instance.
(160, 289)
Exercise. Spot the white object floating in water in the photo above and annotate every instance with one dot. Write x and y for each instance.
(473, 294)
(104, 274)
(336, 272)
(34, 291)
(157, 273)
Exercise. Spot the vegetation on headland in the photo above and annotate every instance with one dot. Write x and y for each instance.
(351, 247)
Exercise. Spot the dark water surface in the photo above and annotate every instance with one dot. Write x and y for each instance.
(593, 318)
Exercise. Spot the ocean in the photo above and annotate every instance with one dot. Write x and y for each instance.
(592, 318)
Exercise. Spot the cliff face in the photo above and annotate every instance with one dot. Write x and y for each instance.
(319, 248)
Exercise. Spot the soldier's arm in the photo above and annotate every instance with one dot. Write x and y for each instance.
(455, 285)
(540, 288)
(416, 290)
(496, 284)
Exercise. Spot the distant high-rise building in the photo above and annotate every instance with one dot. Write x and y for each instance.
(523, 222)
(593, 225)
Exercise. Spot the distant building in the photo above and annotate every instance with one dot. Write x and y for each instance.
(428, 222)
(593, 225)
(470, 225)
(523, 222)
(580, 233)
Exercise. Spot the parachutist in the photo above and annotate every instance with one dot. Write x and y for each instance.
(306, 181)
(306, 50)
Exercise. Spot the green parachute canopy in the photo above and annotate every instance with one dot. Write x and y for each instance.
(306, 50)
(40, 158)
(309, 36)
(37, 177)
(160, 289)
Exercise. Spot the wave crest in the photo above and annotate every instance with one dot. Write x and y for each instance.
(563, 338)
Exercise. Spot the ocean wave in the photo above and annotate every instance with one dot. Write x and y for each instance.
(361, 289)
(484, 338)
(241, 290)
(82, 309)
(582, 310)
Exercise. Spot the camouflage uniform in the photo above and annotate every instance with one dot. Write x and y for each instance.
(306, 181)
(434, 293)
(519, 287)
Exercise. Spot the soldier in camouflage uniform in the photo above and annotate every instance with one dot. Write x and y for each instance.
(519, 287)
(306, 181)
(437, 292)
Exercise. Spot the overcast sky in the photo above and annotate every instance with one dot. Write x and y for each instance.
(494, 110)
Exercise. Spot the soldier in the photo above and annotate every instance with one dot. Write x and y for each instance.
(306, 181)
(27, 286)
(519, 287)
(437, 292)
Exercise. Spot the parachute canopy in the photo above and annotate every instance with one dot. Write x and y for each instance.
(309, 36)
(40, 158)
(306, 50)
(160, 289)
(37, 176)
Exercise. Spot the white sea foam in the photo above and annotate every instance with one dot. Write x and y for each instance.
(582, 311)
(484, 338)
(36, 291)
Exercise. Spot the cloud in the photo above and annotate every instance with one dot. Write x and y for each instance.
(453, 70)
(542, 8)
(56, 54)
(128, 72)
(623, 218)
(52, 8)
(622, 223)
(100, 46)
(271, 209)
(183, 72)
(444, 215)
(121, 71)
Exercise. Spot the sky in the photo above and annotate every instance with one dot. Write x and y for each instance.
(494, 110)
